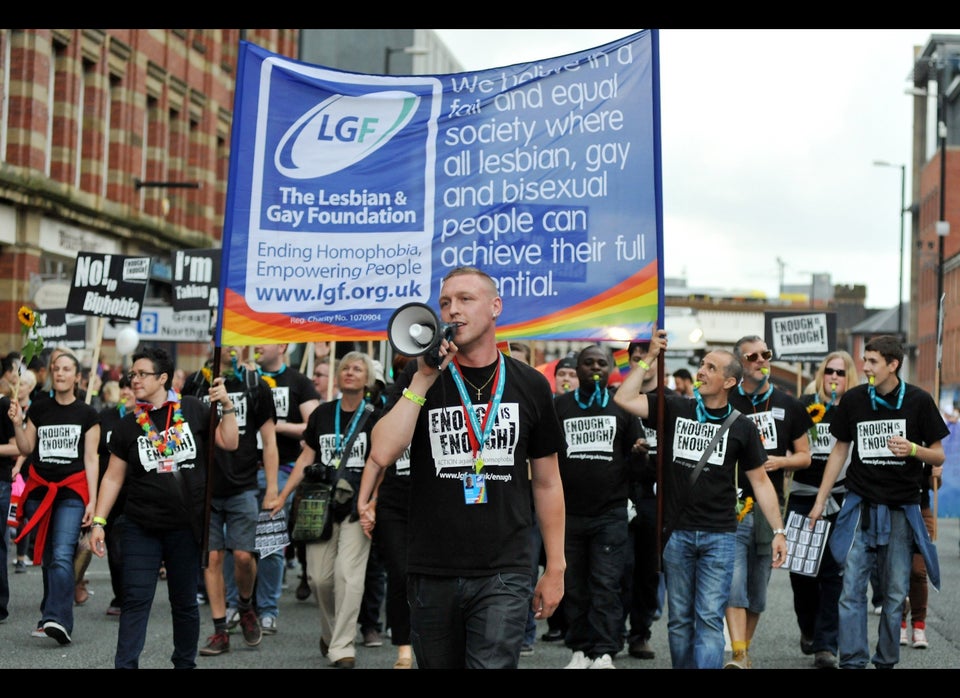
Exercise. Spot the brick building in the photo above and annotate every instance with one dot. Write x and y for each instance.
(113, 141)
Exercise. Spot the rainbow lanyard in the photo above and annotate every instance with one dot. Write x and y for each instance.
(479, 433)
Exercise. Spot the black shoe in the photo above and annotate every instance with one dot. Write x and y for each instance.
(806, 645)
(641, 649)
(303, 590)
(57, 632)
(553, 635)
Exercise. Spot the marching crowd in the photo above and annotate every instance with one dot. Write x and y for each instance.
(472, 500)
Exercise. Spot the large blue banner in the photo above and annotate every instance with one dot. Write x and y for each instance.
(351, 195)
(948, 497)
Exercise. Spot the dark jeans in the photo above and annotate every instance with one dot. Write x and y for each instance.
(645, 583)
(113, 534)
(143, 552)
(374, 591)
(59, 550)
(390, 541)
(816, 599)
(5, 491)
(468, 622)
(595, 548)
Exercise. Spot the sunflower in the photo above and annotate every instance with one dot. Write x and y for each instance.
(816, 411)
(30, 328)
(744, 507)
(27, 317)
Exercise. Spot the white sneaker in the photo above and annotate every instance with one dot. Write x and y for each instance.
(904, 637)
(919, 639)
(603, 662)
(579, 661)
(877, 610)
(268, 624)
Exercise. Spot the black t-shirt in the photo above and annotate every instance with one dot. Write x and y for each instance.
(820, 446)
(236, 471)
(449, 537)
(110, 419)
(712, 503)
(875, 473)
(61, 438)
(393, 497)
(327, 440)
(780, 419)
(595, 468)
(292, 389)
(166, 500)
(6, 433)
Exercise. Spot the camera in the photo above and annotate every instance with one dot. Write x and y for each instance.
(317, 472)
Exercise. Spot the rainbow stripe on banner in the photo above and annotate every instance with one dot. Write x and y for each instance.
(622, 358)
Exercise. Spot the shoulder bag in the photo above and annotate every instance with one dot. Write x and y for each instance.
(312, 509)
(668, 529)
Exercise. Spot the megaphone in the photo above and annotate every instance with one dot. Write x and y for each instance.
(415, 330)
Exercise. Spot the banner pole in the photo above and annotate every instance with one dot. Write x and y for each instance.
(96, 356)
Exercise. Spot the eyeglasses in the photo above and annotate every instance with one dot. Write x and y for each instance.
(839, 371)
(757, 355)
(139, 374)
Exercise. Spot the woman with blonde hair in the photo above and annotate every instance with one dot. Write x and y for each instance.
(338, 564)
(816, 599)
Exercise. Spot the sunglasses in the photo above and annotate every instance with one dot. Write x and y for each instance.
(757, 355)
(839, 371)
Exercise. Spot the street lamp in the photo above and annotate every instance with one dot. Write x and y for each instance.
(903, 210)
(409, 50)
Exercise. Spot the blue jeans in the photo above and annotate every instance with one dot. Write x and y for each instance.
(270, 568)
(698, 568)
(595, 548)
(751, 569)
(143, 551)
(59, 583)
(5, 491)
(893, 562)
(468, 622)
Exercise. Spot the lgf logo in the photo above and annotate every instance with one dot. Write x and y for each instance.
(341, 131)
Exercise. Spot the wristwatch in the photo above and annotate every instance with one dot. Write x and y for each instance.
(780, 531)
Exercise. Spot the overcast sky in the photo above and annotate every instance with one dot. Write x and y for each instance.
(768, 143)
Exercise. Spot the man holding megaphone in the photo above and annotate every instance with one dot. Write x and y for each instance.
(466, 410)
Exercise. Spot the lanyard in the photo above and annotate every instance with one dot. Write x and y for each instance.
(595, 396)
(479, 433)
(754, 398)
(337, 451)
(702, 414)
(877, 400)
